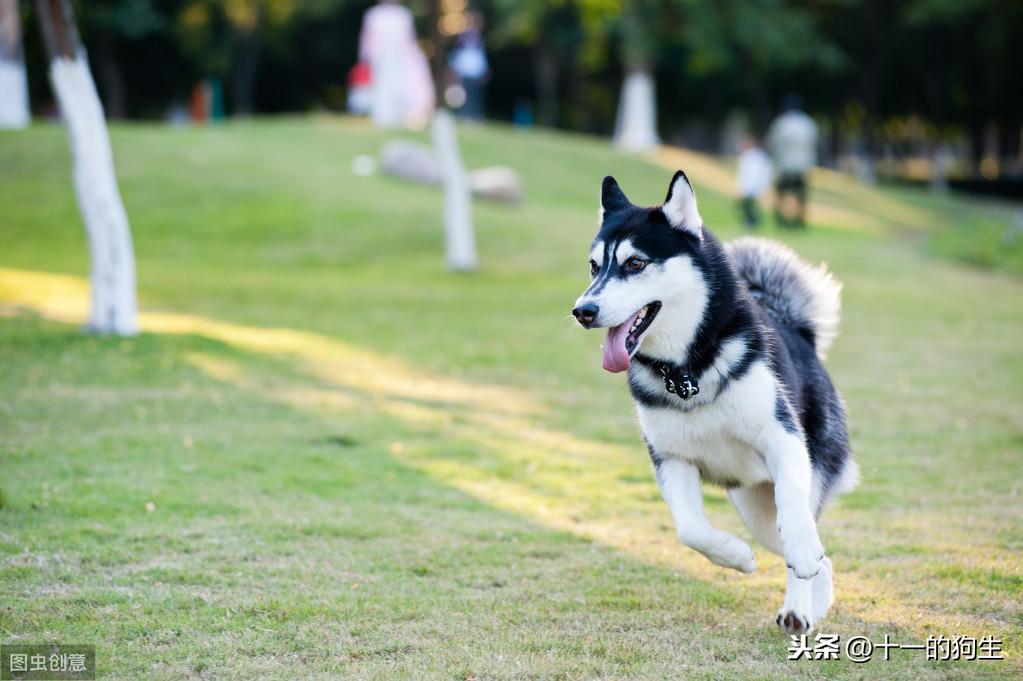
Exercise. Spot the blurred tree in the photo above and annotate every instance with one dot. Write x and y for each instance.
(304, 60)
(949, 63)
(112, 258)
(967, 58)
(569, 44)
(247, 18)
(14, 111)
(750, 41)
(864, 67)
(225, 38)
(110, 22)
(636, 125)
(553, 33)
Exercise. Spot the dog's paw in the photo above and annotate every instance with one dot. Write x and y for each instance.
(731, 552)
(794, 622)
(804, 552)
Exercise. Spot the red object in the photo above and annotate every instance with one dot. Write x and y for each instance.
(199, 103)
(360, 74)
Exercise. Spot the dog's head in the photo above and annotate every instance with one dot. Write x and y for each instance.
(646, 268)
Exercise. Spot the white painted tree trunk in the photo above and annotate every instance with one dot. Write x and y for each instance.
(112, 275)
(636, 125)
(460, 241)
(14, 111)
(13, 94)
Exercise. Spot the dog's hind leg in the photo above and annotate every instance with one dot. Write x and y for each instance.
(788, 463)
(806, 600)
(756, 508)
(796, 614)
(823, 596)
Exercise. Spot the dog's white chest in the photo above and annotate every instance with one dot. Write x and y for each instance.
(710, 437)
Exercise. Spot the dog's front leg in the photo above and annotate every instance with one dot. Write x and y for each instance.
(789, 466)
(680, 485)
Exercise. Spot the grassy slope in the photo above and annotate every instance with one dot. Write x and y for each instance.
(437, 479)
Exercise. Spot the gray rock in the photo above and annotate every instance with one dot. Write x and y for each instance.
(410, 161)
(496, 183)
(417, 163)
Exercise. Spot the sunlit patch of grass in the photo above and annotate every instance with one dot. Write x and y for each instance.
(888, 210)
(65, 298)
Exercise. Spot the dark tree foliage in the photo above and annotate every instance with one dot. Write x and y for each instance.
(857, 63)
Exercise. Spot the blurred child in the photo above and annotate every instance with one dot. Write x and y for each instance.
(753, 178)
(360, 93)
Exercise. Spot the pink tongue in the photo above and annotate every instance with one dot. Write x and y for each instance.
(616, 357)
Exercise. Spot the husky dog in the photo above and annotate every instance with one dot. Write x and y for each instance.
(723, 345)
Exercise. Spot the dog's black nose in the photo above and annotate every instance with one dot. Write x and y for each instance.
(586, 314)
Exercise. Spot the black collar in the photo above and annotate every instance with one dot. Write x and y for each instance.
(677, 380)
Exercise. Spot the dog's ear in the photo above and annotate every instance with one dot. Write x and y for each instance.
(680, 206)
(612, 198)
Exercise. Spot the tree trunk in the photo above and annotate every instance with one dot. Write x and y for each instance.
(636, 125)
(977, 131)
(14, 112)
(112, 260)
(636, 122)
(243, 80)
(113, 80)
(460, 242)
(459, 237)
(545, 68)
(756, 87)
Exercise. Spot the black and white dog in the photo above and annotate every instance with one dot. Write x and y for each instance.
(723, 345)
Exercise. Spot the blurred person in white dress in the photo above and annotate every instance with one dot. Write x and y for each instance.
(401, 86)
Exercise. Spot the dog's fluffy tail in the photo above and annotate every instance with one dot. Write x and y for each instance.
(792, 290)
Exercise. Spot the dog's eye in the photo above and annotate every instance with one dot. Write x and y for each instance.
(635, 264)
(593, 268)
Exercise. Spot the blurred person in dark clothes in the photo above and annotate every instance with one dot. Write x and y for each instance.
(792, 143)
(469, 62)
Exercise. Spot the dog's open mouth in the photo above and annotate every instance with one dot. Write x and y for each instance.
(622, 340)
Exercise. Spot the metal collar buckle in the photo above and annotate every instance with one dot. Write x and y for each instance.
(679, 382)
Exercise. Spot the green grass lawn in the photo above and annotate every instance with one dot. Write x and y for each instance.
(328, 457)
